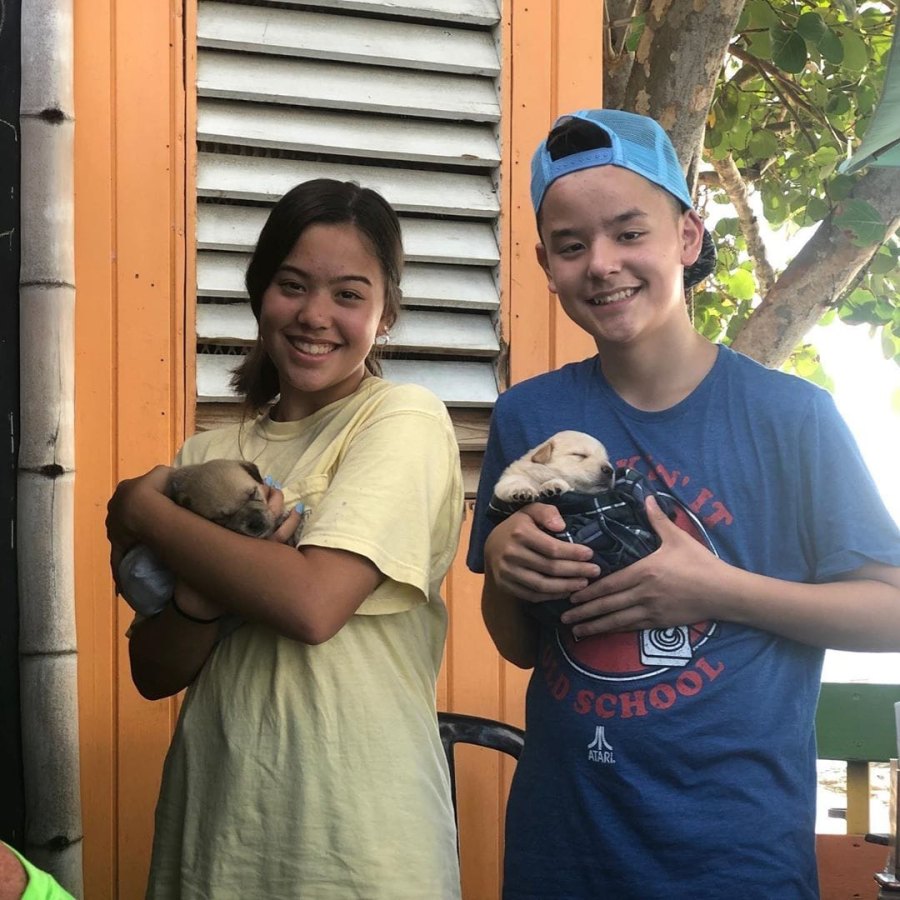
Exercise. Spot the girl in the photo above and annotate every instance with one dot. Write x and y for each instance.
(306, 761)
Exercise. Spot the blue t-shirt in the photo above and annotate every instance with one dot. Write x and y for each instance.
(680, 763)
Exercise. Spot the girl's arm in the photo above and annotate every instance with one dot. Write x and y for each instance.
(168, 650)
(306, 594)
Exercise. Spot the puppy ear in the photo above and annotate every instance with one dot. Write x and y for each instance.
(253, 471)
(543, 454)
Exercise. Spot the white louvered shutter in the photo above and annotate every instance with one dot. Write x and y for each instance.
(398, 95)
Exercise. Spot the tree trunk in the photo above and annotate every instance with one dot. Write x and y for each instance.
(818, 276)
(676, 65)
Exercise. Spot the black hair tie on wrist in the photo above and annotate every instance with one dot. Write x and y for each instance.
(191, 618)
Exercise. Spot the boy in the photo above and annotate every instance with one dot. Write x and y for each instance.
(670, 746)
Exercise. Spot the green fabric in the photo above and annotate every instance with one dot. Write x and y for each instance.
(881, 143)
(41, 885)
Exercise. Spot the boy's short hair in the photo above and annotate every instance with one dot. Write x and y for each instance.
(613, 137)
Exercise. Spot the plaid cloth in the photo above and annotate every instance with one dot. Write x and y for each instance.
(612, 523)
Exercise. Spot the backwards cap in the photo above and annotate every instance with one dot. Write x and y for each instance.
(637, 143)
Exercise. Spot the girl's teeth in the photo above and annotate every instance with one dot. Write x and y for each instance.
(313, 349)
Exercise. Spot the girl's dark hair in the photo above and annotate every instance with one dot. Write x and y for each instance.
(320, 201)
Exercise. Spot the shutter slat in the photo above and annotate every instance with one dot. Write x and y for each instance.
(347, 134)
(470, 384)
(264, 179)
(313, 35)
(474, 12)
(417, 331)
(314, 83)
(221, 275)
(221, 227)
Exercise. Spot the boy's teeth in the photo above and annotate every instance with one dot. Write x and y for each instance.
(613, 298)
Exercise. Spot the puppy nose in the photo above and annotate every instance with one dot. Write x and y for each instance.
(258, 525)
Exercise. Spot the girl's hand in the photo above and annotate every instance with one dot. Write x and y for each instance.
(123, 512)
(526, 562)
(674, 585)
(284, 534)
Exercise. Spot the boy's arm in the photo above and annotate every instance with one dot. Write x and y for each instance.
(524, 564)
(683, 582)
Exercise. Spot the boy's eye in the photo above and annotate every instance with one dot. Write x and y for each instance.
(349, 295)
(631, 235)
(574, 247)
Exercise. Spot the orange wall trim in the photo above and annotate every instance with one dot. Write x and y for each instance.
(135, 217)
(130, 256)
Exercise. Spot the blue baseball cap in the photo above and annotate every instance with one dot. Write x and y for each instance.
(637, 143)
(630, 141)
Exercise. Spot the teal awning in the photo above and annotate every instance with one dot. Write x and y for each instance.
(881, 143)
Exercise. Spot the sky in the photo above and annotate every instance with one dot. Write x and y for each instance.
(864, 385)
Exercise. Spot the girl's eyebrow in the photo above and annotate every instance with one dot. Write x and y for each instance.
(349, 277)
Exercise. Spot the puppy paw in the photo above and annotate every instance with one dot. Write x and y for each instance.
(523, 495)
(554, 487)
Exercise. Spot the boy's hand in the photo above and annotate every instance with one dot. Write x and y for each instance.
(532, 565)
(672, 586)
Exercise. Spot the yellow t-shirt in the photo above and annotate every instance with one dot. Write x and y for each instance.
(317, 772)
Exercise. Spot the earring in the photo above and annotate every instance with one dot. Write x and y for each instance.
(383, 338)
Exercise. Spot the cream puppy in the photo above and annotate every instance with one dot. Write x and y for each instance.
(567, 461)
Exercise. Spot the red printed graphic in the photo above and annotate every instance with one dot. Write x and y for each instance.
(635, 655)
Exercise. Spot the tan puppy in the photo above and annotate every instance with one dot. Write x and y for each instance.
(567, 461)
(227, 492)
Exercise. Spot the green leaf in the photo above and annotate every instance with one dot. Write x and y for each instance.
(817, 209)
(635, 32)
(848, 7)
(811, 27)
(761, 13)
(882, 262)
(861, 221)
(856, 53)
(763, 145)
(742, 285)
(831, 48)
(788, 49)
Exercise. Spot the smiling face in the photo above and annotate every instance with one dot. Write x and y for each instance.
(613, 249)
(320, 315)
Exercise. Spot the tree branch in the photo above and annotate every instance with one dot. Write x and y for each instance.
(676, 65)
(818, 277)
(734, 186)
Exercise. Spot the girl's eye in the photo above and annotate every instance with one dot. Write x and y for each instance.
(290, 287)
(349, 295)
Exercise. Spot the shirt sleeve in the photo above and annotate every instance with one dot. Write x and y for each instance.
(846, 523)
(395, 498)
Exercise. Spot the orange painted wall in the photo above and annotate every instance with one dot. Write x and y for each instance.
(134, 209)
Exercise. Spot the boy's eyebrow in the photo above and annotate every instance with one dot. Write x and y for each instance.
(619, 219)
(302, 274)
